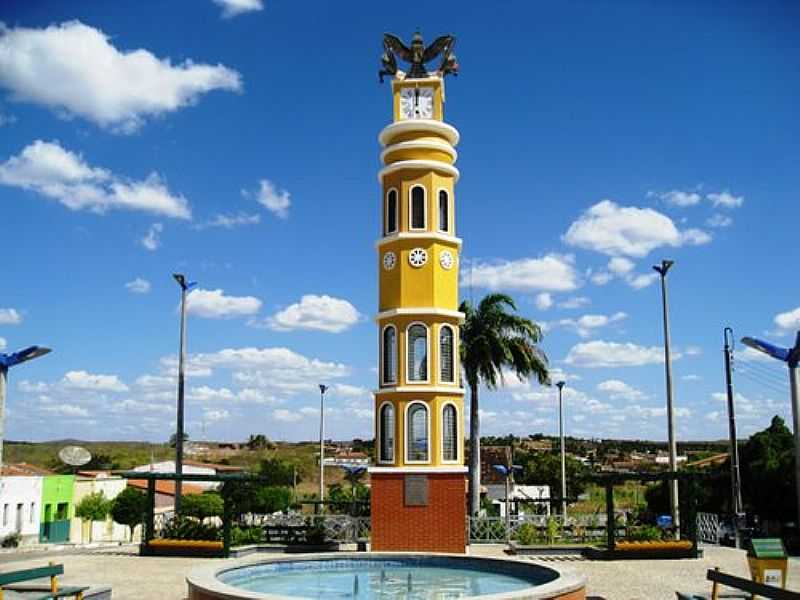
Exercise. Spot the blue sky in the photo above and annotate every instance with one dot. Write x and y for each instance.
(236, 141)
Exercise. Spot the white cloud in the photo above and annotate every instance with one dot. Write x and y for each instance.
(72, 69)
(214, 304)
(599, 353)
(628, 231)
(81, 380)
(321, 313)
(234, 8)
(29, 387)
(10, 316)
(3, 343)
(288, 416)
(552, 273)
(751, 354)
(544, 300)
(691, 377)
(725, 200)
(275, 200)
(789, 320)
(344, 390)
(156, 381)
(575, 302)
(678, 197)
(619, 389)
(642, 280)
(719, 220)
(48, 169)
(214, 415)
(585, 325)
(66, 410)
(693, 351)
(138, 286)
(619, 265)
(205, 393)
(647, 412)
(239, 219)
(601, 277)
(152, 240)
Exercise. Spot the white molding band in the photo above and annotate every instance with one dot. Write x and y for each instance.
(452, 390)
(419, 235)
(423, 311)
(421, 165)
(440, 128)
(431, 470)
(420, 144)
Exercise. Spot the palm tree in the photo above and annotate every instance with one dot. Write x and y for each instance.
(493, 339)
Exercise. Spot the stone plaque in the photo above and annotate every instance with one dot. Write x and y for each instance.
(416, 490)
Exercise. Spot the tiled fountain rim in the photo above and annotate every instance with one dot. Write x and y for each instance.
(205, 579)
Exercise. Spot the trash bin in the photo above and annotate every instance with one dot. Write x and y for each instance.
(768, 561)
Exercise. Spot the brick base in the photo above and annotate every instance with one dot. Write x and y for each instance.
(440, 526)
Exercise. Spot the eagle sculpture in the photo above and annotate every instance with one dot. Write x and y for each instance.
(417, 56)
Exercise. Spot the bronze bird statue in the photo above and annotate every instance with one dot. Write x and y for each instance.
(418, 56)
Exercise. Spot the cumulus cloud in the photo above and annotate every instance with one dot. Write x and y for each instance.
(788, 321)
(320, 313)
(550, 273)
(47, 169)
(275, 200)
(544, 300)
(678, 197)
(641, 280)
(205, 393)
(616, 388)
(575, 302)
(66, 410)
(10, 316)
(138, 286)
(152, 239)
(585, 325)
(598, 353)
(214, 304)
(622, 268)
(725, 200)
(214, 415)
(628, 231)
(234, 8)
(81, 380)
(719, 220)
(290, 416)
(239, 219)
(74, 70)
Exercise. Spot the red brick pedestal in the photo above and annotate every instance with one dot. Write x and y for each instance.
(437, 526)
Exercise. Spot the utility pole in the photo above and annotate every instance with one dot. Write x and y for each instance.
(736, 483)
(322, 390)
(560, 386)
(185, 286)
(662, 270)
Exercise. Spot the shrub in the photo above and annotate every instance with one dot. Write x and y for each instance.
(644, 533)
(202, 506)
(242, 536)
(185, 528)
(129, 508)
(316, 534)
(553, 530)
(527, 534)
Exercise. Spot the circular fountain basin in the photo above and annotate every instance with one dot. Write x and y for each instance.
(361, 576)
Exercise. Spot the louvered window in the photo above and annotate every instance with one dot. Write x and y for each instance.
(417, 442)
(444, 211)
(417, 353)
(446, 354)
(390, 355)
(391, 212)
(417, 207)
(387, 433)
(449, 433)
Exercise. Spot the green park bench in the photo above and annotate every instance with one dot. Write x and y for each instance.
(746, 589)
(10, 581)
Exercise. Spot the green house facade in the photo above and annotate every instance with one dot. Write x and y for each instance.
(57, 508)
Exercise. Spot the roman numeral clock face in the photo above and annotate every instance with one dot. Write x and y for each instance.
(416, 103)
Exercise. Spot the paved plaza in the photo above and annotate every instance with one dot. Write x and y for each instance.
(133, 577)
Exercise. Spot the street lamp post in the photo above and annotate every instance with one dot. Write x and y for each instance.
(6, 362)
(791, 356)
(322, 390)
(736, 483)
(560, 386)
(507, 472)
(185, 286)
(662, 270)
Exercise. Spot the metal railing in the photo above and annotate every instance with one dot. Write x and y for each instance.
(708, 528)
(539, 529)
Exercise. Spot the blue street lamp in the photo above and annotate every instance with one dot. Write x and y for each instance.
(508, 473)
(6, 362)
(790, 356)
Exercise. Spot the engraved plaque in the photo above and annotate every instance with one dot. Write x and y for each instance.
(416, 490)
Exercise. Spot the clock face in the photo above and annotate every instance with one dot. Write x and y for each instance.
(446, 260)
(416, 103)
(389, 261)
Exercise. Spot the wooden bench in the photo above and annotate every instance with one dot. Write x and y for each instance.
(38, 592)
(747, 589)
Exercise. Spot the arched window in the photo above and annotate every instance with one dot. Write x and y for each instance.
(386, 433)
(417, 352)
(446, 371)
(417, 428)
(391, 212)
(389, 355)
(449, 433)
(417, 211)
(444, 211)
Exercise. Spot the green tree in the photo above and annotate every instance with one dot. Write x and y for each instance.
(129, 508)
(544, 468)
(94, 507)
(202, 506)
(258, 442)
(493, 339)
(247, 497)
(278, 472)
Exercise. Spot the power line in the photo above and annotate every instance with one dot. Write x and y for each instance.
(767, 384)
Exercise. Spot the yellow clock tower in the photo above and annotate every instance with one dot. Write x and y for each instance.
(418, 483)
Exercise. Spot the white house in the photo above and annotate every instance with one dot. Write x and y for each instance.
(190, 467)
(531, 499)
(90, 482)
(21, 507)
